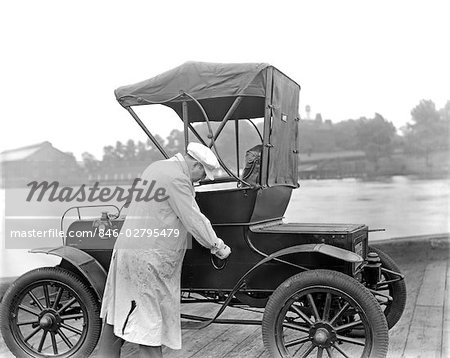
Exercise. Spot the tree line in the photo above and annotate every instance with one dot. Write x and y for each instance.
(425, 133)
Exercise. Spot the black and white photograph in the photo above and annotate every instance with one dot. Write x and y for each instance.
(240, 179)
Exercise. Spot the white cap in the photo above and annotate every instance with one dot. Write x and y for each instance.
(205, 157)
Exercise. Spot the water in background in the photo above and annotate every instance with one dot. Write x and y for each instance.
(401, 205)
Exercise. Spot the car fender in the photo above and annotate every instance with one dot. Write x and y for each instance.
(89, 267)
(324, 249)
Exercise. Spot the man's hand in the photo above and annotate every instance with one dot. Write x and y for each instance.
(224, 252)
(221, 250)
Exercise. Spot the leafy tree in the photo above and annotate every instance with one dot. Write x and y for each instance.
(316, 136)
(153, 152)
(428, 129)
(130, 151)
(376, 137)
(444, 114)
(90, 162)
(175, 142)
(120, 151)
(141, 151)
(346, 135)
(109, 155)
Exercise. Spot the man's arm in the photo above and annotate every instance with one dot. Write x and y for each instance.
(185, 207)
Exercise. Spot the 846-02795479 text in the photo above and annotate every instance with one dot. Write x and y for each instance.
(137, 233)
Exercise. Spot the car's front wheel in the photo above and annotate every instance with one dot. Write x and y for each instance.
(50, 312)
(312, 314)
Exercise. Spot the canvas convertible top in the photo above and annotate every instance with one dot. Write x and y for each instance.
(199, 79)
(214, 85)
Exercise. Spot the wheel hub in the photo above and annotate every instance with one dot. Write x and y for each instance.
(49, 320)
(322, 335)
(46, 321)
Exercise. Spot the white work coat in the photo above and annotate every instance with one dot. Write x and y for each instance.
(142, 293)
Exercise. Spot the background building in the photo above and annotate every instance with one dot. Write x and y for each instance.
(39, 162)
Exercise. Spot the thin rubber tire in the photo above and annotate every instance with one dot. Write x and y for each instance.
(50, 312)
(397, 290)
(322, 334)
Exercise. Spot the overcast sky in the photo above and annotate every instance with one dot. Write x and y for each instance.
(62, 60)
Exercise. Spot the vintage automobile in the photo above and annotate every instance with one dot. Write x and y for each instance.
(322, 287)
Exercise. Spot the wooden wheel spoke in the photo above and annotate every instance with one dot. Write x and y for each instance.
(340, 351)
(341, 311)
(297, 341)
(329, 352)
(35, 300)
(72, 329)
(58, 298)
(310, 349)
(54, 345)
(46, 295)
(41, 343)
(296, 327)
(326, 309)
(319, 352)
(350, 340)
(32, 334)
(72, 316)
(313, 306)
(349, 325)
(64, 338)
(29, 310)
(297, 350)
(301, 314)
(67, 305)
(26, 323)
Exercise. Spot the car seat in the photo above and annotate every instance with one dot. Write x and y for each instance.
(252, 169)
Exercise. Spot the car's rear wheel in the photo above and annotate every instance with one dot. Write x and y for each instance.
(50, 312)
(313, 313)
(391, 285)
